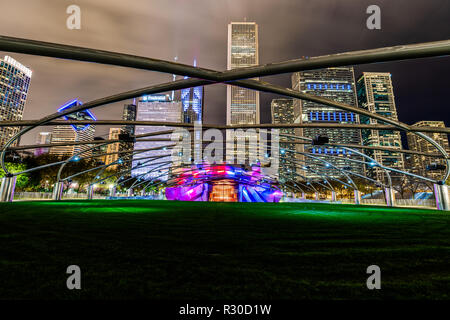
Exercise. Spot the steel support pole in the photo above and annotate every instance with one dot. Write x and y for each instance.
(130, 192)
(7, 189)
(390, 197)
(441, 196)
(317, 196)
(303, 196)
(58, 189)
(357, 197)
(333, 196)
(90, 192)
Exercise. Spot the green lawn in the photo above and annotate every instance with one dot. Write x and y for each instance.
(174, 250)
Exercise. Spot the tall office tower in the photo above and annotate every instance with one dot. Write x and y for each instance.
(242, 104)
(337, 84)
(73, 133)
(14, 84)
(42, 138)
(113, 148)
(154, 108)
(63, 134)
(129, 113)
(283, 113)
(192, 101)
(423, 165)
(376, 94)
(99, 151)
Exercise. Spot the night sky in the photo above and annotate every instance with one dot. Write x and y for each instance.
(197, 29)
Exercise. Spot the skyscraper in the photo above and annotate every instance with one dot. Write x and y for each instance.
(113, 147)
(420, 164)
(42, 138)
(63, 134)
(192, 101)
(283, 113)
(73, 133)
(337, 84)
(376, 94)
(14, 85)
(129, 113)
(154, 108)
(242, 104)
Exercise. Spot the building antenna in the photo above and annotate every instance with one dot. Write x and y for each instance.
(174, 77)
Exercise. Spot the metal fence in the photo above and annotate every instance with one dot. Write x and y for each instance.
(49, 196)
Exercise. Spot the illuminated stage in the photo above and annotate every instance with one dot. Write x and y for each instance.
(223, 183)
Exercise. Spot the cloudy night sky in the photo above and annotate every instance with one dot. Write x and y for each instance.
(197, 29)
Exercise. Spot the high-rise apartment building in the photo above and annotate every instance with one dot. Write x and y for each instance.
(282, 111)
(337, 84)
(376, 94)
(42, 138)
(154, 108)
(422, 164)
(73, 133)
(242, 104)
(14, 85)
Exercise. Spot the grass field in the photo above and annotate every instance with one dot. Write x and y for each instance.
(173, 250)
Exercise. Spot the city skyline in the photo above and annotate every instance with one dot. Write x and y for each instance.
(94, 81)
(262, 153)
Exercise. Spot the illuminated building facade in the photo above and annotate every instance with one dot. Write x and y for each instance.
(192, 102)
(129, 114)
(242, 104)
(376, 94)
(14, 85)
(282, 111)
(421, 164)
(154, 108)
(42, 138)
(73, 133)
(113, 148)
(337, 84)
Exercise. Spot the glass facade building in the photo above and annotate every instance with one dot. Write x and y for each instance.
(154, 108)
(419, 163)
(73, 133)
(42, 138)
(282, 111)
(242, 104)
(376, 94)
(192, 102)
(113, 148)
(14, 85)
(337, 84)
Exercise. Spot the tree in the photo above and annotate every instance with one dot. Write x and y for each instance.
(22, 179)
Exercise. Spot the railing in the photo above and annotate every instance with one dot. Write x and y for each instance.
(49, 195)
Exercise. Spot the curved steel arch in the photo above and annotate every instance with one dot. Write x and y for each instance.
(232, 77)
